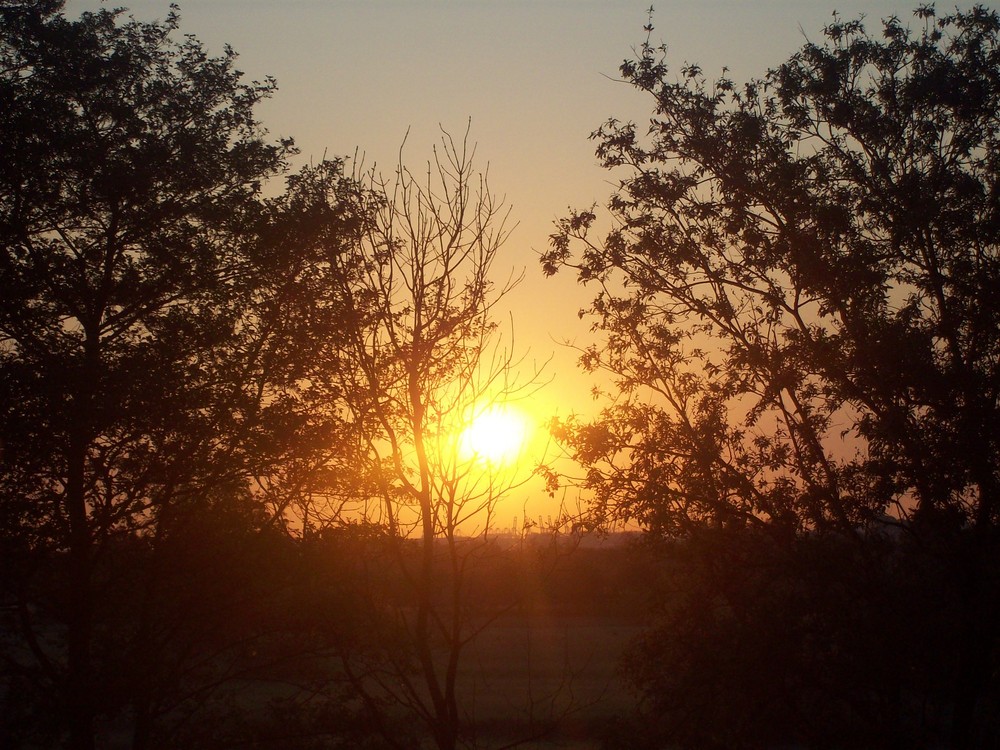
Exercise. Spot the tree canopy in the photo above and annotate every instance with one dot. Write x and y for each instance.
(798, 303)
(194, 373)
(156, 322)
(803, 271)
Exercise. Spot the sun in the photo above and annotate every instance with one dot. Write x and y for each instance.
(496, 435)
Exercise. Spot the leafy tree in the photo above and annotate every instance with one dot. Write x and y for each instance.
(799, 305)
(156, 325)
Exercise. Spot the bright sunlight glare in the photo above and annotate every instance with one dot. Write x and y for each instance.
(496, 435)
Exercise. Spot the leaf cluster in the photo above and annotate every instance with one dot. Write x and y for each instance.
(797, 292)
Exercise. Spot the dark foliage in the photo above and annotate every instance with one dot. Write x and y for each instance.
(799, 303)
(157, 325)
(817, 644)
(219, 636)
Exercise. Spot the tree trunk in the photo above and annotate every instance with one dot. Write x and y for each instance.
(78, 688)
(977, 640)
(142, 729)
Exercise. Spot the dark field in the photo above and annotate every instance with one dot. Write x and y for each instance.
(542, 680)
(530, 673)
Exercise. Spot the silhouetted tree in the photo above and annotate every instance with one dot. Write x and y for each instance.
(157, 322)
(422, 357)
(801, 321)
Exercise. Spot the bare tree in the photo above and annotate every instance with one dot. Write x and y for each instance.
(424, 356)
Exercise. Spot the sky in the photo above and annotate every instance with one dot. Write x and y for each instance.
(536, 77)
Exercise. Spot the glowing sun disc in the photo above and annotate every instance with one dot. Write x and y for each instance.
(496, 435)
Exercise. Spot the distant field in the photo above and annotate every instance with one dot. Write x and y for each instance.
(550, 679)
(553, 679)
(531, 672)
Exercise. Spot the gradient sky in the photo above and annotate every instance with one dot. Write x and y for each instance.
(536, 77)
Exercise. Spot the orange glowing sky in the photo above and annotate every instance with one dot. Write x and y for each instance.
(536, 77)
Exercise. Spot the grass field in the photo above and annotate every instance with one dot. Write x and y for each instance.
(553, 674)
